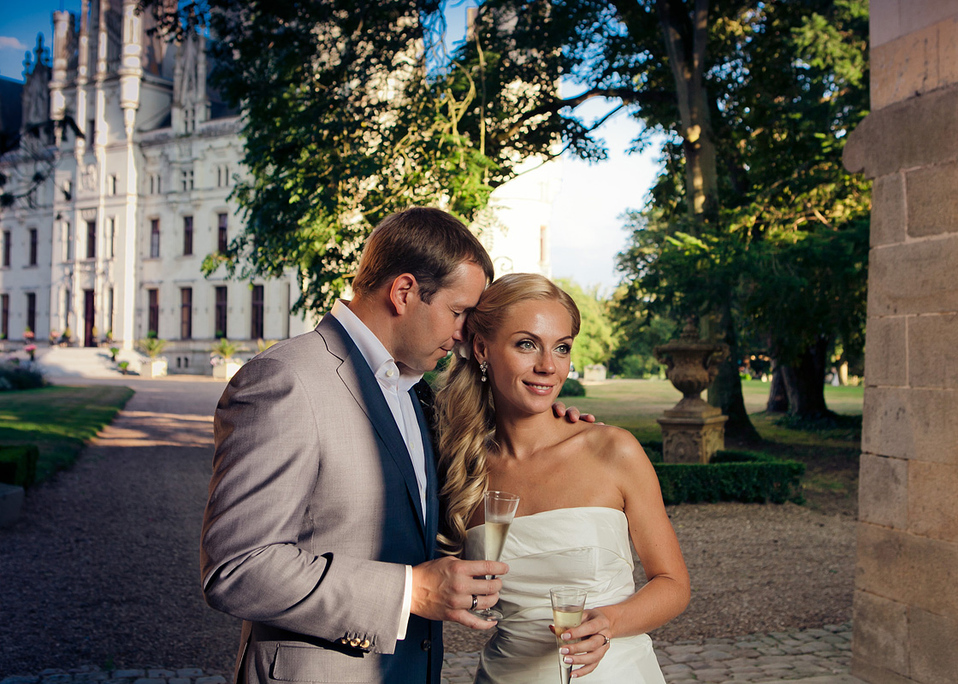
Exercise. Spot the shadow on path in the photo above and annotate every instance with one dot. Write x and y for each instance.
(102, 568)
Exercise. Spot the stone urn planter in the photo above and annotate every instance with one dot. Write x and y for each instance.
(226, 370)
(224, 359)
(692, 430)
(154, 368)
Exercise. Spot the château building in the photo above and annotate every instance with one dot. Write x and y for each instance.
(119, 160)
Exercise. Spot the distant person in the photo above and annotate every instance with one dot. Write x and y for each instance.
(584, 490)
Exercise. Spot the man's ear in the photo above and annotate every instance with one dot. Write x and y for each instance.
(403, 288)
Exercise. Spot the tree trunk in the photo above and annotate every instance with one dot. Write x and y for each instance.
(725, 392)
(805, 382)
(685, 38)
(777, 392)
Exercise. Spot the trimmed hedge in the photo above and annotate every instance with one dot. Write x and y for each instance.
(18, 464)
(14, 376)
(572, 388)
(746, 476)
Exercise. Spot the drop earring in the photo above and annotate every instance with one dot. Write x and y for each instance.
(482, 369)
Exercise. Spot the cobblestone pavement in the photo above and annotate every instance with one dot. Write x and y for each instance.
(819, 656)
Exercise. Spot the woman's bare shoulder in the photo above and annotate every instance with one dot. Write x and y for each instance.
(612, 445)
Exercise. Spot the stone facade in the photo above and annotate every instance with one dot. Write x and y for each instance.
(906, 591)
(136, 194)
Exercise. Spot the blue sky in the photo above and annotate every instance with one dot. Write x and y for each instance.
(20, 22)
(586, 224)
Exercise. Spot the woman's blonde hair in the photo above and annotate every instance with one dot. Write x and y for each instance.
(465, 414)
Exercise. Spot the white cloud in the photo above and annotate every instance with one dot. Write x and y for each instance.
(10, 43)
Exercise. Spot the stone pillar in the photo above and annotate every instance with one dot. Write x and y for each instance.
(906, 586)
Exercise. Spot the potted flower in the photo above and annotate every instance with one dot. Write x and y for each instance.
(113, 352)
(223, 358)
(28, 335)
(31, 349)
(157, 366)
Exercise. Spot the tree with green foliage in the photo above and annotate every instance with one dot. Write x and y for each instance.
(596, 338)
(785, 261)
(343, 123)
(352, 111)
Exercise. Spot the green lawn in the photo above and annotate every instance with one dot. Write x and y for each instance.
(830, 455)
(59, 420)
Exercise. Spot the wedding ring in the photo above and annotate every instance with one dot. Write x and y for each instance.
(608, 640)
(475, 602)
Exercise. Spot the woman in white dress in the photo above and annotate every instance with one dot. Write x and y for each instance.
(585, 490)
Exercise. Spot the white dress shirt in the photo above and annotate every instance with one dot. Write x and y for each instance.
(395, 387)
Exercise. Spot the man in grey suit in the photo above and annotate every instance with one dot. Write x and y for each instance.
(322, 515)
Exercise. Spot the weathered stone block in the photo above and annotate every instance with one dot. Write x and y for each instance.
(882, 564)
(863, 669)
(880, 632)
(884, 23)
(888, 210)
(932, 574)
(932, 422)
(933, 350)
(904, 67)
(918, 14)
(931, 645)
(932, 200)
(932, 504)
(948, 52)
(916, 424)
(897, 137)
(908, 569)
(886, 361)
(914, 278)
(883, 491)
(885, 422)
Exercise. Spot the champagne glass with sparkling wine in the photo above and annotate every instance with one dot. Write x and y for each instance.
(500, 509)
(567, 606)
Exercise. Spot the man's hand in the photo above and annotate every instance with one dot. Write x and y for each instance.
(571, 414)
(442, 589)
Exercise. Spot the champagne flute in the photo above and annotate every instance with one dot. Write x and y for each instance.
(567, 606)
(500, 510)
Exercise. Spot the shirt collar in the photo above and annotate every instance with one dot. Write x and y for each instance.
(380, 361)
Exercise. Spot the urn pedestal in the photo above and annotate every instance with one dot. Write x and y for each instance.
(226, 371)
(692, 430)
(154, 368)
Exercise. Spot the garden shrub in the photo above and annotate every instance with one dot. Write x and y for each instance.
(15, 376)
(745, 476)
(18, 464)
(572, 388)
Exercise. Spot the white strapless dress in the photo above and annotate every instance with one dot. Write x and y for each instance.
(584, 547)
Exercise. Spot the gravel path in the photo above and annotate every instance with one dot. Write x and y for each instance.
(102, 569)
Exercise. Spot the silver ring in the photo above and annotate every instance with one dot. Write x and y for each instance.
(608, 640)
(475, 602)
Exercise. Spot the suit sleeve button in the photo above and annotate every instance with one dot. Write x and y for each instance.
(354, 642)
(364, 644)
(344, 641)
(426, 644)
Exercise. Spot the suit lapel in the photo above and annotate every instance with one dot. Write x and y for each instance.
(432, 480)
(362, 384)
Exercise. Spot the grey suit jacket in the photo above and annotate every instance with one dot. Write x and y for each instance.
(312, 513)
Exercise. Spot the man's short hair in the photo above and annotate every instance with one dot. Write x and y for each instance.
(428, 243)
